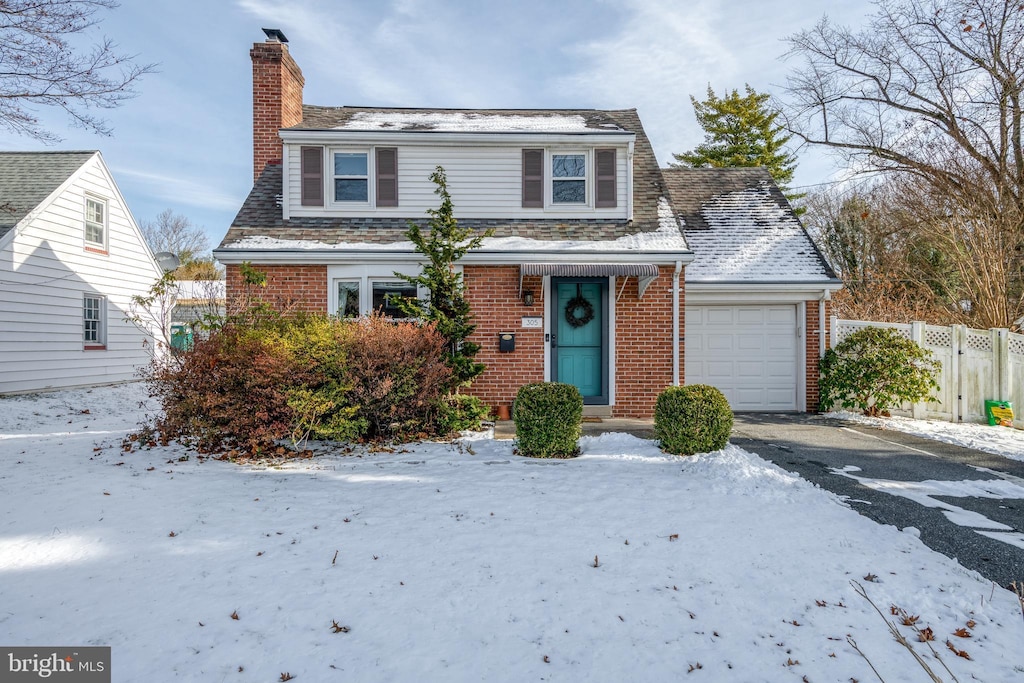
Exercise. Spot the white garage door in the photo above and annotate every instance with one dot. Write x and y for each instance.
(749, 352)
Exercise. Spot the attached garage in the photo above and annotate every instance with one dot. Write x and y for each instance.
(749, 352)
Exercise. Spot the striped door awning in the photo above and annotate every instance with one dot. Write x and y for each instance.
(644, 272)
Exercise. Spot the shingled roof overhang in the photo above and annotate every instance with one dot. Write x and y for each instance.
(745, 235)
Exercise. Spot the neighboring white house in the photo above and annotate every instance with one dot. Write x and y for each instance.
(71, 257)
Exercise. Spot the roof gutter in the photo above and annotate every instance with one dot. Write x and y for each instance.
(475, 257)
(332, 135)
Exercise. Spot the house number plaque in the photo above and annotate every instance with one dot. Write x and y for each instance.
(533, 322)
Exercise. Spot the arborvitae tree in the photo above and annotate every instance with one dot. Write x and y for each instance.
(740, 130)
(447, 307)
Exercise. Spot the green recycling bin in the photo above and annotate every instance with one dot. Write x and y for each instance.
(999, 413)
(181, 338)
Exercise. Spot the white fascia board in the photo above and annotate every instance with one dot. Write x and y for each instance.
(477, 257)
(759, 292)
(512, 138)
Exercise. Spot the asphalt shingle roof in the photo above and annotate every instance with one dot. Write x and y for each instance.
(741, 228)
(261, 215)
(27, 178)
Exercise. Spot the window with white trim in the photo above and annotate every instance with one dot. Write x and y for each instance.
(348, 298)
(351, 177)
(94, 321)
(356, 290)
(384, 296)
(95, 222)
(568, 178)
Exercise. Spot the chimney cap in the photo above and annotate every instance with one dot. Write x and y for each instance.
(274, 35)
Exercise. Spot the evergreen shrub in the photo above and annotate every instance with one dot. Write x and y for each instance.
(548, 418)
(695, 418)
(875, 369)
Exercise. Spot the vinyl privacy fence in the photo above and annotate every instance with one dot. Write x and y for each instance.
(977, 365)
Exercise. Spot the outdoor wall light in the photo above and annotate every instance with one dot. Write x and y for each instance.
(528, 297)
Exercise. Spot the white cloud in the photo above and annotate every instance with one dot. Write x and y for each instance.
(188, 189)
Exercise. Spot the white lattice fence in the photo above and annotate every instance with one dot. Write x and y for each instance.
(976, 365)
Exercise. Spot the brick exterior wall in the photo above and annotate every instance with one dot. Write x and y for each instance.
(493, 295)
(643, 343)
(289, 288)
(277, 84)
(815, 328)
(643, 331)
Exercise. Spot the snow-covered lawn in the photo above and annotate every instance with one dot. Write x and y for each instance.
(1003, 441)
(460, 563)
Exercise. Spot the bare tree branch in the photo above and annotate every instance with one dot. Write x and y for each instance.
(41, 66)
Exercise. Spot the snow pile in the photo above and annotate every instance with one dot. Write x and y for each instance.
(1003, 441)
(458, 562)
(666, 238)
(470, 122)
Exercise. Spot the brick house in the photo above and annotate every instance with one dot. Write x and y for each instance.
(582, 280)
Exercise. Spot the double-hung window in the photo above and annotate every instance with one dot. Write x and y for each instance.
(351, 177)
(93, 321)
(568, 178)
(95, 223)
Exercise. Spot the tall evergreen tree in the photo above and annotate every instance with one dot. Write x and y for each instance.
(447, 307)
(740, 130)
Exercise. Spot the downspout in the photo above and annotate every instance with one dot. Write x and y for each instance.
(675, 323)
(826, 296)
(629, 182)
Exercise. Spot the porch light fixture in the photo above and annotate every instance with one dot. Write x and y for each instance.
(528, 297)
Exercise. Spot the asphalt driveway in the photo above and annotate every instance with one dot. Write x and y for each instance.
(965, 503)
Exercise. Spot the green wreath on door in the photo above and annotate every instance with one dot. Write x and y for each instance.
(578, 311)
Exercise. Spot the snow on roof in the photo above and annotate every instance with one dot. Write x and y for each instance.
(750, 237)
(666, 238)
(469, 122)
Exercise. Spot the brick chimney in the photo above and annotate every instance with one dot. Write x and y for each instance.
(276, 98)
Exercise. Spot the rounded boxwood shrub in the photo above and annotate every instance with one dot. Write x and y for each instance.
(548, 418)
(695, 418)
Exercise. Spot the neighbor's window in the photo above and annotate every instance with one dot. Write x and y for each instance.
(92, 318)
(385, 293)
(568, 179)
(348, 299)
(351, 182)
(95, 222)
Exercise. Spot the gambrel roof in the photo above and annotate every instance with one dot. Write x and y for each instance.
(261, 217)
(27, 178)
(741, 228)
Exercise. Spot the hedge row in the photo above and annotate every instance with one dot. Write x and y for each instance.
(250, 385)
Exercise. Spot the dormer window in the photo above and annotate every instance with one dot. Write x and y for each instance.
(568, 179)
(351, 177)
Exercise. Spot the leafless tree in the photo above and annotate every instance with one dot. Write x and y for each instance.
(175, 233)
(41, 65)
(929, 92)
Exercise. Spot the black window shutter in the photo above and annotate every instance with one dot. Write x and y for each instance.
(312, 172)
(387, 176)
(606, 190)
(533, 178)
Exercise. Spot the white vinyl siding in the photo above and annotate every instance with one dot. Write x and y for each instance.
(484, 181)
(46, 274)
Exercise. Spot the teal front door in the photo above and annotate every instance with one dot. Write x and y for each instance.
(579, 344)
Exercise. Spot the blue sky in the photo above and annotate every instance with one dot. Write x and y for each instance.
(186, 143)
